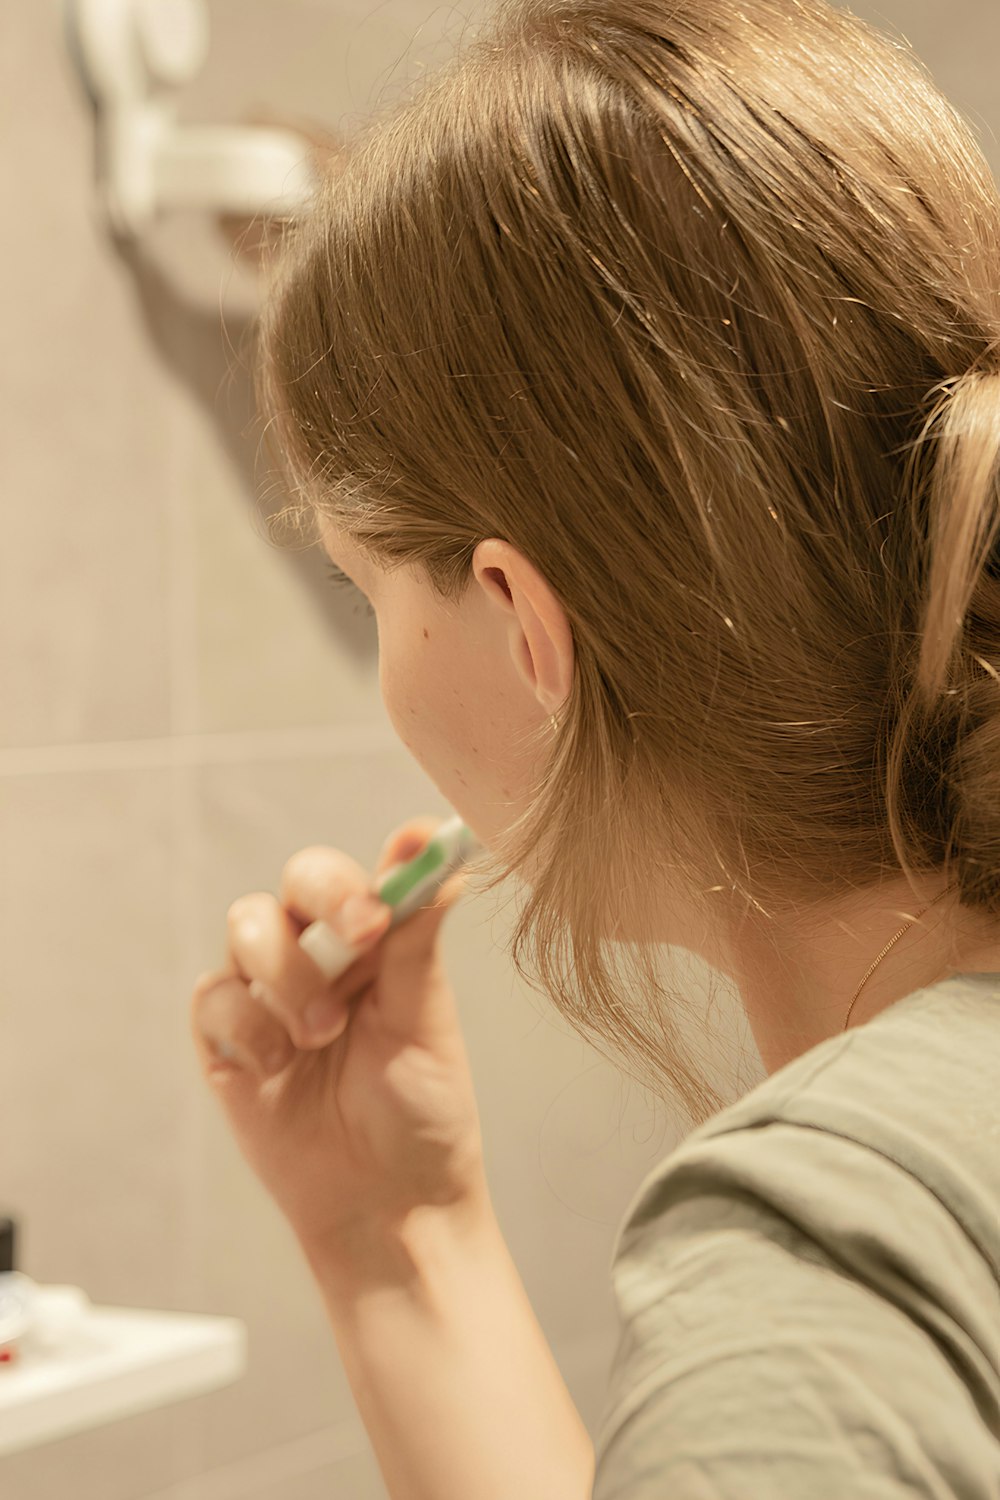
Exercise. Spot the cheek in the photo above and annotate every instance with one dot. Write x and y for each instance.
(453, 709)
(433, 689)
(414, 690)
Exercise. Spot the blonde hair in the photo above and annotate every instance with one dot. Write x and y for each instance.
(698, 306)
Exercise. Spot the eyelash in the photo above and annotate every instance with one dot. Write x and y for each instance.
(337, 576)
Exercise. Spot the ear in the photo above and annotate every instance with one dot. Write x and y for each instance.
(541, 638)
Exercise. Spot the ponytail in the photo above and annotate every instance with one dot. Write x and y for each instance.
(943, 761)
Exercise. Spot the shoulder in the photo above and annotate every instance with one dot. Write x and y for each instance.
(807, 1301)
(868, 1110)
(763, 1355)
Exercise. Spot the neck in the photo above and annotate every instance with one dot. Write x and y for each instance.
(797, 982)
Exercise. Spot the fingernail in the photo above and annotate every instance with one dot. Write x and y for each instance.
(324, 1018)
(228, 1053)
(258, 991)
(360, 916)
(275, 1061)
(331, 953)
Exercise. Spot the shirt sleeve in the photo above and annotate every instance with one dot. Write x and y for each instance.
(778, 1344)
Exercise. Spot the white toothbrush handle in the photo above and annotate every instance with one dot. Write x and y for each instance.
(332, 954)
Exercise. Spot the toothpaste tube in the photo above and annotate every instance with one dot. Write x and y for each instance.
(406, 888)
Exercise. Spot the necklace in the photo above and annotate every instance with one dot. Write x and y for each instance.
(885, 950)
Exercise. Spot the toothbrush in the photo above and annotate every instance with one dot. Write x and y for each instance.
(406, 888)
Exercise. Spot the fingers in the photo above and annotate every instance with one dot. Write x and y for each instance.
(406, 842)
(323, 884)
(270, 999)
(233, 1031)
(264, 950)
(318, 880)
(239, 1026)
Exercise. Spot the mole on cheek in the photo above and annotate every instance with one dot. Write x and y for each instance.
(427, 635)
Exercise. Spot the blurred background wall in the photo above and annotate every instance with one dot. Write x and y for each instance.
(184, 706)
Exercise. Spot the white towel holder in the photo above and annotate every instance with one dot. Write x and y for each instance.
(132, 55)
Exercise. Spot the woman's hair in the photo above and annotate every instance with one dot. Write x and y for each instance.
(698, 306)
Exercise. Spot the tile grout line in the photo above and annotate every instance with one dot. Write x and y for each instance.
(212, 748)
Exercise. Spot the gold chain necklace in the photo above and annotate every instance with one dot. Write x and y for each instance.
(554, 723)
(885, 950)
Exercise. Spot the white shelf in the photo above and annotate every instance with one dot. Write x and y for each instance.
(114, 1362)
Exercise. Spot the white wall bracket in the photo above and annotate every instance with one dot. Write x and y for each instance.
(131, 55)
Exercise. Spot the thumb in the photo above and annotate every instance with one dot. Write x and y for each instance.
(404, 844)
(411, 958)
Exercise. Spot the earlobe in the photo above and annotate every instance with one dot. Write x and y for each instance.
(546, 648)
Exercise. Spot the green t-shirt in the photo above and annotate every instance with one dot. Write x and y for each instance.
(808, 1286)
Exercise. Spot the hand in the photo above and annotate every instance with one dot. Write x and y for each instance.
(351, 1128)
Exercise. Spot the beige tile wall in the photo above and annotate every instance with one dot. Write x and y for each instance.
(183, 707)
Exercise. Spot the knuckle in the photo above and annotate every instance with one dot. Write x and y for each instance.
(214, 994)
(415, 831)
(244, 908)
(251, 1032)
(275, 1007)
(305, 860)
(205, 982)
(226, 1017)
(422, 827)
(317, 876)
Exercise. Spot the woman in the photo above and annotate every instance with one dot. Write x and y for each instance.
(643, 371)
